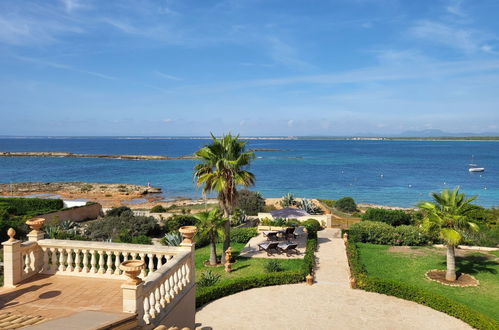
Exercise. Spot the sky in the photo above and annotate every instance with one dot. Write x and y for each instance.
(258, 68)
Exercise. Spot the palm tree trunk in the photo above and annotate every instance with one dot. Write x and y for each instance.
(450, 275)
(213, 251)
(227, 234)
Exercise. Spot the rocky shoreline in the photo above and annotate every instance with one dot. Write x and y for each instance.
(73, 155)
(25, 188)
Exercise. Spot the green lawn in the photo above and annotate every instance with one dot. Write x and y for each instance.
(243, 266)
(410, 267)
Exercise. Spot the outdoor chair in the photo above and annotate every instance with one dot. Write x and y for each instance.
(271, 235)
(288, 248)
(299, 231)
(289, 233)
(268, 247)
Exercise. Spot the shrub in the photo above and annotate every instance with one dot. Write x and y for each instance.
(382, 233)
(176, 221)
(251, 202)
(173, 238)
(346, 204)
(158, 209)
(112, 227)
(413, 293)
(31, 206)
(242, 235)
(117, 211)
(328, 202)
(272, 266)
(391, 217)
(312, 225)
(208, 278)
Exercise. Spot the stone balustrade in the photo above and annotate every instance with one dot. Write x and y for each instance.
(99, 259)
(29, 262)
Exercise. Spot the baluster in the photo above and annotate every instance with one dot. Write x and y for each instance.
(168, 297)
(25, 259)
(70, 267)
(46, 265)
(85, 260)
(62, 260)
(109, 270)
(152, 303)
(172, 287)
(160, 260)
(157, 298)
(162, 292)
(134, 255)
(93, 262)
(146, 318)
(101, 262)
(143, 271)
(77, 261)
(53, 251)
(151, 262)
(188, 272)
(176, 287)
(184, 281)
(117, 262)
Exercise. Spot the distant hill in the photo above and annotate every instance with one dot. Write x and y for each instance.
(440, 133)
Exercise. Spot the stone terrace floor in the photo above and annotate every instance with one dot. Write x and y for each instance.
(53, 296)
(251, 249)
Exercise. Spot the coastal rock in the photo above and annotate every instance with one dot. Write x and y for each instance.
(76, 187)
(73, 155)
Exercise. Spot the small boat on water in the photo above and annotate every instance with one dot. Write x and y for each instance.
(474, 167)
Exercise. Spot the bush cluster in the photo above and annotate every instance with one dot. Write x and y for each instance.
(242, 235)
(382, 233)
(391, 217)
(251, 202)
(413, 293)
(125, 226)
(158, 209)
(205, 295)
(346, 204)
(312, 225)
(328, 202)
(272, 266)
(176, 221)
(30, 206)
(280, 222)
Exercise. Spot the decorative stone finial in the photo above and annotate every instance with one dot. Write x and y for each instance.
(132, 269)
(310, 279)
(228, 257)
(188, 233)
(11, 232)
(345, 237)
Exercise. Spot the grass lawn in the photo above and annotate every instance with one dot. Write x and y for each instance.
(243, 266)
(409, 265)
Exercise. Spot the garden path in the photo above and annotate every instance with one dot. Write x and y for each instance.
(328, 304)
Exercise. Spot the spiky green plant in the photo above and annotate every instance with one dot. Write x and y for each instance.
(288, 200)
(447, 218)
(173, 238)
(211, 225)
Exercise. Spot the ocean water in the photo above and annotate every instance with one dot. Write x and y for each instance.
(398, 173)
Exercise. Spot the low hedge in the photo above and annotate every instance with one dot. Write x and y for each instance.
(391, 217)
(206, 295)
(242, 235)
(413, 293)
(31, 206)
(382, 233)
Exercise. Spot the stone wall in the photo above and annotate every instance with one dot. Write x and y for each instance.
(75, 214)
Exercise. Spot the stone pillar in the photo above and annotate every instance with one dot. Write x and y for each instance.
(192, 248)
(133, 299)
(12, 261)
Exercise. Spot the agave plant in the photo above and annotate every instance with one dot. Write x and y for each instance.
(173, 238)
(308, 206)
(288, 200)
(52, 231)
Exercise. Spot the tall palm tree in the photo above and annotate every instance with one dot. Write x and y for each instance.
(221, 170)
(211, 224)
(447, 218)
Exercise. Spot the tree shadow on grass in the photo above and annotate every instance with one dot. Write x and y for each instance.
(474, 264)
(235, 269)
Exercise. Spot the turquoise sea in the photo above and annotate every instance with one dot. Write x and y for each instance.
(398, 173)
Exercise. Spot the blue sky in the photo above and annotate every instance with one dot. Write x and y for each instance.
(343, 67)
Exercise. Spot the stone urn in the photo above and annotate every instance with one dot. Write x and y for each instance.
(188, 233)
(35, 224)
(310, 279)
(132, 269)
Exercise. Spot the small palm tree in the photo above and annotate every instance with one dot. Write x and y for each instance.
(447, 218)
(221, 170)
(210, 224)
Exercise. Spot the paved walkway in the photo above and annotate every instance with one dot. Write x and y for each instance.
(328, 304)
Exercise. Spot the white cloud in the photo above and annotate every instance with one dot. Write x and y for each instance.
(72, 5)
(291, 123)
(167, 76)
(455, 8)
(168, 120)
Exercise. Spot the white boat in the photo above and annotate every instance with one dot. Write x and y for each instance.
(476, 169)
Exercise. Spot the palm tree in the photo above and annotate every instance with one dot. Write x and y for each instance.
(221, 170)
(447, 218)
(211, 224)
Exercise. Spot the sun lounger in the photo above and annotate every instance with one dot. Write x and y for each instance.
(271, 235)
(299, 231)
(289, 233)
(268, 247)
(288, 248)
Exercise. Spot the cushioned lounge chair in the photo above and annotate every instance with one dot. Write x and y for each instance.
(271, 235)
(269, 247)
(288, 248)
